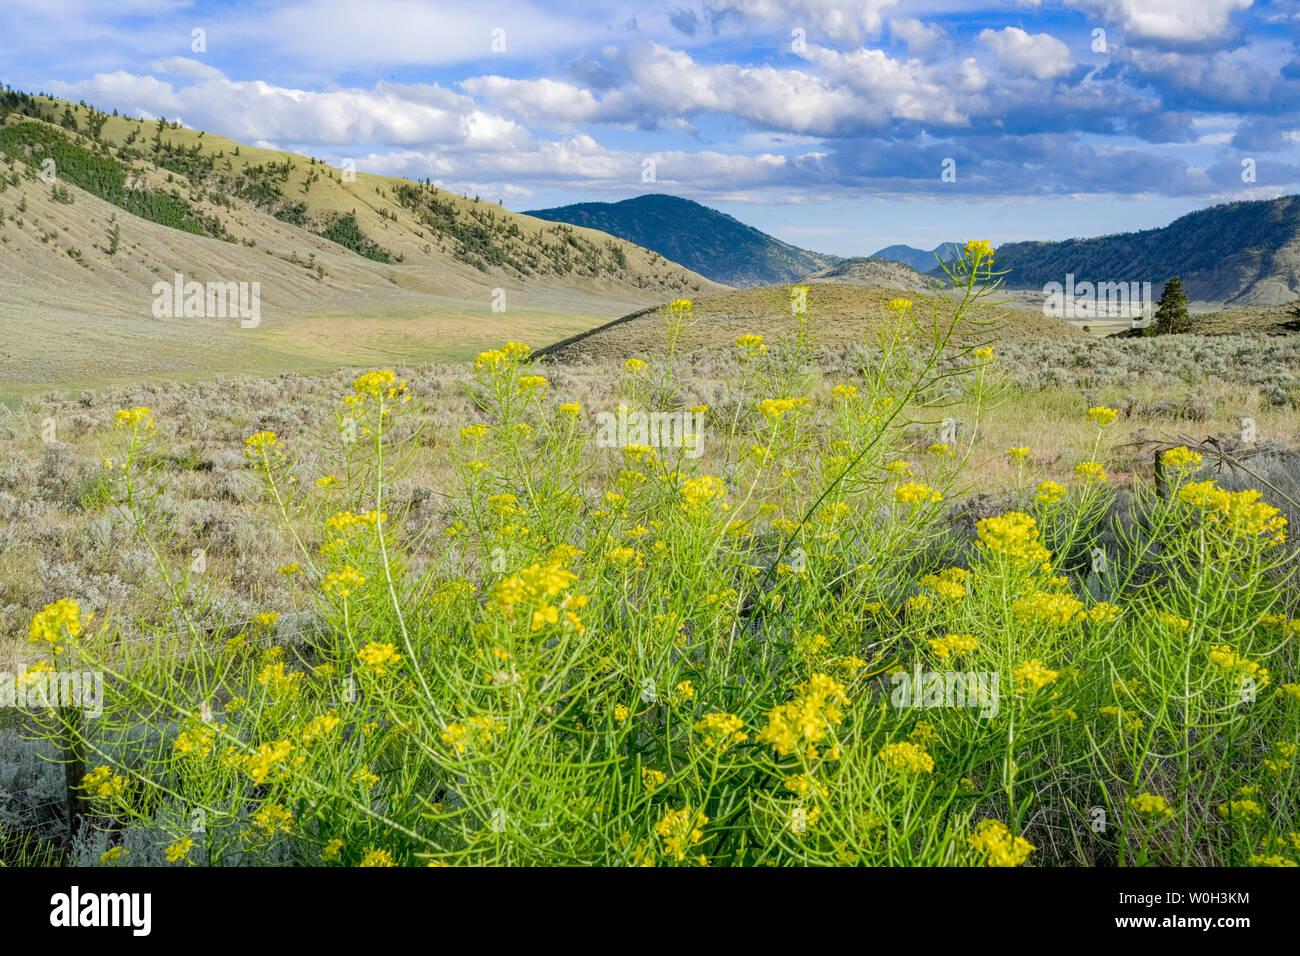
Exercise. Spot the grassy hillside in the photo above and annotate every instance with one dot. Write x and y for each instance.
(873, 271)
(352, 268)
(705, 240)
(1238, 254)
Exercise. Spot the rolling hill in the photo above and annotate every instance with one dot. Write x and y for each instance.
(872, 271)
(353, 268)
(1237, 254)
(704, 240)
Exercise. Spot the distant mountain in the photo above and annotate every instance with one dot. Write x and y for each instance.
(922, 260)
(1238, 254)
(717, 246)
(873, 271)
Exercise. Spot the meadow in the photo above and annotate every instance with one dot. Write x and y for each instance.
(918, 598)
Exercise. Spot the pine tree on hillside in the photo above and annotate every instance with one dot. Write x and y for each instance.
(1171, 311)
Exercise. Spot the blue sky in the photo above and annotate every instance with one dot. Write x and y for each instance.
(827, 124)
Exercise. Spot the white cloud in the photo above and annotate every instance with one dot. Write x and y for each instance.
(1177, 21)
(919, 37)
(436, 132)
(854, 91)
(837, 19)
(413, 114)
(889, 89)
(545, 100)
(579, 162)
(1040, 55)
(1224, 77)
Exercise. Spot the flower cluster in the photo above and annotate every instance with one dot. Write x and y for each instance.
(474, 731)
(134, 419)
(698, 492)
(1151, 807)
(994, 841)
(1237, 666)
(343, 582)
(58, 623)
(915, 493)
(721, 730)
(1015, 536)
(1045, 607)
(774, 408)
(538, 586)
(1033, 674)
(102, 784)
(379, 657)
(680, 830)
(907, 757)
(953, 645)
(808, 718)
(1236, 513)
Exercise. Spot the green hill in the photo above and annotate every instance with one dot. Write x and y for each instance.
(703, 240)
(1237, 254)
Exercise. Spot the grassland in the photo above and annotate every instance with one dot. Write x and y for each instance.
(566, 653)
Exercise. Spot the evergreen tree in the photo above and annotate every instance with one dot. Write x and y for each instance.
(1171, 311)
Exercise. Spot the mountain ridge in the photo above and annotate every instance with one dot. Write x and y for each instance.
(922, 260)
(1238, 254)
(705, 240)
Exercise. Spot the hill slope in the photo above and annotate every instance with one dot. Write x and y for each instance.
(1238, 254)
(701, 239)
(882, 273)
(352, 268)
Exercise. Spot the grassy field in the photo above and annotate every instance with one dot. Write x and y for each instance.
(444, 614)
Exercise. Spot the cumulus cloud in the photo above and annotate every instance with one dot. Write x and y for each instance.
(1214, 80)
(1171, 21)
(394, 114)
(919, 37)
(547, 101)
(835, 94)
(1039, 55)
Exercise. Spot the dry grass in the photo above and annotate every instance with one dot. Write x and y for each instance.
(845, 314)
